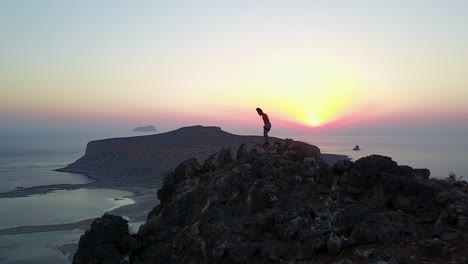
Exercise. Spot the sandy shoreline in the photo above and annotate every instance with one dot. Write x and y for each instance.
(145, 199)
(137, 212)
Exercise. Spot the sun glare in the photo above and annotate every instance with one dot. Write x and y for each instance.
(314, 122)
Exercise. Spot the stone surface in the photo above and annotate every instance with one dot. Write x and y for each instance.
(282, 204)
(107, 241)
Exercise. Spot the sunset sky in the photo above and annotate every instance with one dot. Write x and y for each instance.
(311, 65)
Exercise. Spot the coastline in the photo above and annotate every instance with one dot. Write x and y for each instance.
(98, 183)
(137, 212)
(144, 200)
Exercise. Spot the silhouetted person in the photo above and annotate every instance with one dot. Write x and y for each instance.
(266, 127)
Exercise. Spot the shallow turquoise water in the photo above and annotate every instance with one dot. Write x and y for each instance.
(60, 206)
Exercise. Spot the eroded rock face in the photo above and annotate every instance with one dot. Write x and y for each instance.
(107, 241)
(283, 203)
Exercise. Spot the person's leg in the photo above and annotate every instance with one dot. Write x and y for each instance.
(265, 136)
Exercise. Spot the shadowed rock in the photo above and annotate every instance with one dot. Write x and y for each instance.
(283, 204)
(107, 241)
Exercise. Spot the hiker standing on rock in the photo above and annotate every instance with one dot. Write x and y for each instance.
(266, 127)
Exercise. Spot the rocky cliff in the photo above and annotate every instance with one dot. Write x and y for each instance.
(283, 204)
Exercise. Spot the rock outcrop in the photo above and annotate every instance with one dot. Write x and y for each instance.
(107, 241)
(283, 204)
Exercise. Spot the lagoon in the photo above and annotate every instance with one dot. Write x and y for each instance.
(63, 206)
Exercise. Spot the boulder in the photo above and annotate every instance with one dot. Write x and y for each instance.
(220, 159)
(382, 164)
(342, 165)
(107, 241)
(246, 152)
(422, 174)
(301, 150)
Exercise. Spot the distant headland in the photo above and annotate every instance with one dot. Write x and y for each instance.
(143, 161)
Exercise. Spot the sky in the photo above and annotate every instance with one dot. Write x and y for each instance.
(313, 66)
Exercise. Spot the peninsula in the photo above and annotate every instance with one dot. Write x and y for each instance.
(143, 161)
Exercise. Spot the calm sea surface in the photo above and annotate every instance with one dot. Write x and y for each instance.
(28, 160)
(441, 155)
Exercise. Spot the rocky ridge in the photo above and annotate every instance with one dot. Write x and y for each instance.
(283, 204)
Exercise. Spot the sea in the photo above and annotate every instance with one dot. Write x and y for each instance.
(29, 159)
(440, 154)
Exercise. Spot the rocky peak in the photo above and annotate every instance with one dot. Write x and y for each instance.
(283, 204)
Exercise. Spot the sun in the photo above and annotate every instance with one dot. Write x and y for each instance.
(314, 122)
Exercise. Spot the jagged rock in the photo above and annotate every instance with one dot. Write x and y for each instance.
(382, 164)
(345, 261)
(335, 244)
(283, 204)
(462, 222)
(342, 166)
(219, 159)
(185, 170)
(422, 174)
(107, 241)
(246, 151)
(435, 247)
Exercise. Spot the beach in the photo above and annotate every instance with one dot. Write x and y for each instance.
(62, 237)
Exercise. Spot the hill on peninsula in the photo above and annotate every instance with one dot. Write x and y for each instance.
(142, 161)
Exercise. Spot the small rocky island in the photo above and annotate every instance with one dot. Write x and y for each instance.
(285, 205)
(145, 129)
